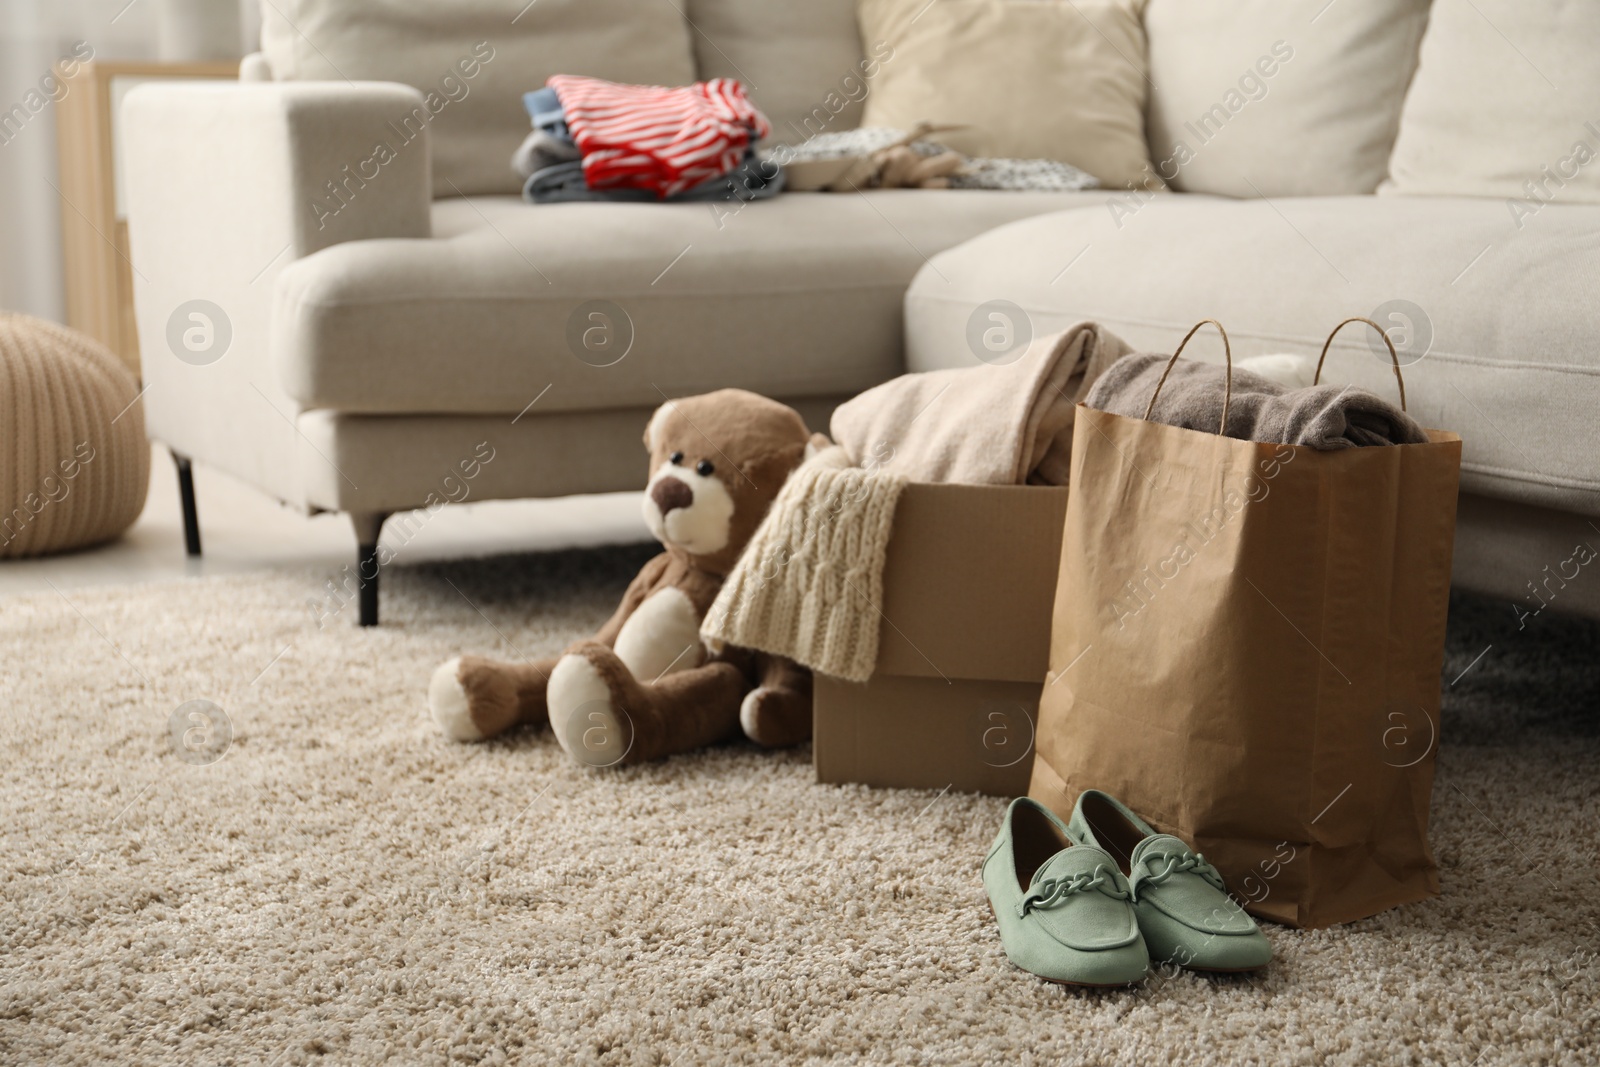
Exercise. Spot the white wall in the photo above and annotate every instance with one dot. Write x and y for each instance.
(33, 34)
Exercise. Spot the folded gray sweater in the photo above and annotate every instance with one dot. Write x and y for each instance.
(1322, 416)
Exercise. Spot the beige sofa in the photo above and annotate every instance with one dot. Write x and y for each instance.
(377, 304)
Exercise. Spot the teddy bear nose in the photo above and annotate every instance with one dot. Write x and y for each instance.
(671, 493)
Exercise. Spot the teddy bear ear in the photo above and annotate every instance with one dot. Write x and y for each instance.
(657, 425)
(818, 443)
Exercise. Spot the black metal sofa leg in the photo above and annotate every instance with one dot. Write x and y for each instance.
(368, 526)
(191, 516)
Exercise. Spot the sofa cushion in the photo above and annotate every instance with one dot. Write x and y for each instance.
(1278, 97)
(1029, 79)
(796, 296)
(473, 60)
(1500, 325)
(802, 64)
(1506, 102)
(387, 463)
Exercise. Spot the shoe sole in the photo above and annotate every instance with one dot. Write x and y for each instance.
(1081, 985)
(1063, 981)
(1216, 970)
(1227, 970)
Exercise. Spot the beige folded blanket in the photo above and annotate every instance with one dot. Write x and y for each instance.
(986, 424)
(809, 584)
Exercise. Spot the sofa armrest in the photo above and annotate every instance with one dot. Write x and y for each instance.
(227, 183)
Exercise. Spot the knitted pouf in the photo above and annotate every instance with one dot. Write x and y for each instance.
(74, 462)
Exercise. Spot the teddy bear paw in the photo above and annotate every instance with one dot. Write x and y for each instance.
(588, 721)
(775, 718)
(447, 699)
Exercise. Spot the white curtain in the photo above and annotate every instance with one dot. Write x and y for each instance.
(33, 35)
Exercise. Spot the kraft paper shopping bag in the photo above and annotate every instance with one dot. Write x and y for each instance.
(1246, 649)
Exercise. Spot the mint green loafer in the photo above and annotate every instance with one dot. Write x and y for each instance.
(1063, 907)
(1184, 910)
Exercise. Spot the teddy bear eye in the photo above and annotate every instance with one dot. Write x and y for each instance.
(675, 459)
(704, 468)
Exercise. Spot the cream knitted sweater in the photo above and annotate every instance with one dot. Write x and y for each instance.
(809, 585)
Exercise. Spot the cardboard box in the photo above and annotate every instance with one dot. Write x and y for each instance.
(963, 646)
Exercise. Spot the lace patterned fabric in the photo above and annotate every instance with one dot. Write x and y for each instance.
(1035, 175)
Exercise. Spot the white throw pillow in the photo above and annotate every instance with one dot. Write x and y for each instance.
(1032, 79)
(1278, 97)
(1506, 102)
(473, 60)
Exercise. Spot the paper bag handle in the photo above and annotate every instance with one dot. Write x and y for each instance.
(1393, 355)
(1227, 353)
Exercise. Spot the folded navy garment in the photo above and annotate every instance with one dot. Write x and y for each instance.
(550, 143)
(1323, 416)
(544, 108)
(753, 179)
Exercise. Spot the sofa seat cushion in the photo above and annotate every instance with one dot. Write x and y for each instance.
(796, 296)
(1498, 324)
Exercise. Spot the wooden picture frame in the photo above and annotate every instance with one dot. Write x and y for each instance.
(94, 227)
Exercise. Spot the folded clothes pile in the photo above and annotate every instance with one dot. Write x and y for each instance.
(809, 582)
(987, 424)
(599, 140)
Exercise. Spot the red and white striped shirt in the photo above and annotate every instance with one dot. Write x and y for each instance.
(649, 137)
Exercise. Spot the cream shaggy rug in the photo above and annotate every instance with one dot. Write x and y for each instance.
(342, 885)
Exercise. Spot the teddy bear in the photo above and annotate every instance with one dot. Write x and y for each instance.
(645, 686)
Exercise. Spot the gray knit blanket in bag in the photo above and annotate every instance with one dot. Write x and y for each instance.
(1322, 416)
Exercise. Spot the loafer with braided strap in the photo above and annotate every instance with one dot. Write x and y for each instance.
(1064, 909)
(1184, 910)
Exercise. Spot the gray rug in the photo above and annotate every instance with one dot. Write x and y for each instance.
(332, 882)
